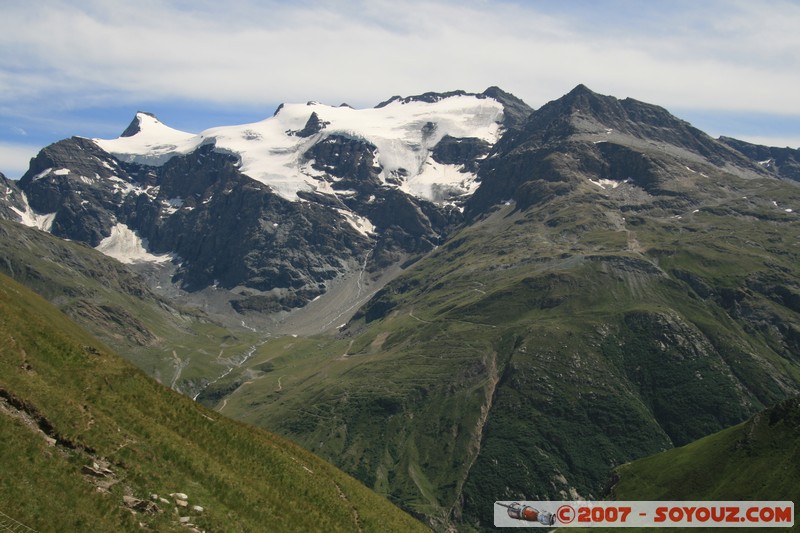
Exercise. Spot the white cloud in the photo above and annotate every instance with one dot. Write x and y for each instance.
(729, 55)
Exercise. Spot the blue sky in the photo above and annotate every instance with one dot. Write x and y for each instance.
(85, 67)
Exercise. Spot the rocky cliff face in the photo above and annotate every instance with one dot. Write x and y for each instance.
(278, 248)
(783, 162)
(225, 228)
(585, 136)
(13, 203)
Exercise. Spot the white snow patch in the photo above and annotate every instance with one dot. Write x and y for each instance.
(788, 210)
(126, 246)
(774, 203)
(61, 172)
(321, 186)
(31, 218)
(122, 186)
(42, 174)
(34, 220)
(438, 182)
(359, 223)
(690, 170)
(604, 183)
(172, 205)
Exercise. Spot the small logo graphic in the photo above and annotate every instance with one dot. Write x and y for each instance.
(644, 514)
(517, 511)
(565, 514)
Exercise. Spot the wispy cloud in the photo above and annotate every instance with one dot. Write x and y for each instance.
(82, 67)
(723, 55)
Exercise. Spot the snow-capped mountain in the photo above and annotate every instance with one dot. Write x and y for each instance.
(610, 260)
(402, 135)
(278, 210)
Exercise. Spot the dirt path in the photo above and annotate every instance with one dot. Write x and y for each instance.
(354, 511)
(418, 319)
(346, 353)
(179, 366)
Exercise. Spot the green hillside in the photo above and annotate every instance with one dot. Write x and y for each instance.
(756, 460)
(89, 443)
(539, 348)
(179, 346)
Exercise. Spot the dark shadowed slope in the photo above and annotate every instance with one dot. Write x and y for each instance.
(756, 460)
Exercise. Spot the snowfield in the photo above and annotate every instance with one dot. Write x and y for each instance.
(126, 246)
(272, 153)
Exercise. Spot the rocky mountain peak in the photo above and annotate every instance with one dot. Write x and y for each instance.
(428, 97)
(584, 115)
(326, 186)
(313, 125)
(136, 124)
(579, 110)
(515, 111)
(223, 201)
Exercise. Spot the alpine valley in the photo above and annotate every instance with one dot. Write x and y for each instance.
(453, 297)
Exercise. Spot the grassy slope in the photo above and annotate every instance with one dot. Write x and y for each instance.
(756, 460)
(116, 306)
(569, 325)
(101, 409)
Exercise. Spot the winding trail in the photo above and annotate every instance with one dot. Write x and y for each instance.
(234, 365)
(418, 319)
(179, 366)
(353, 510)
